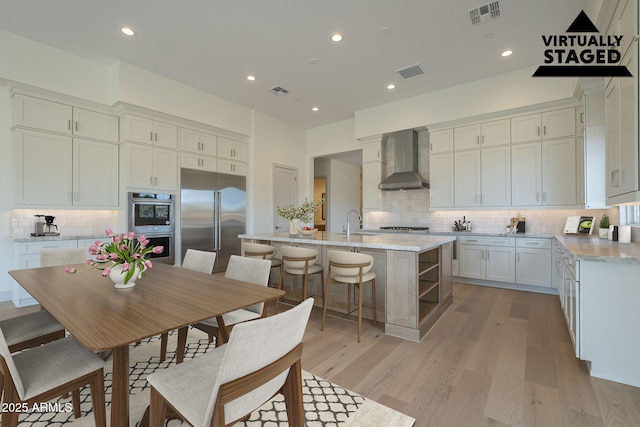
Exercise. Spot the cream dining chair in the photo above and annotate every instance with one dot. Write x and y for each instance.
(353, 269)
(261, 250)
(223, 386)
(251, 270)
(196, 260)
(48, 371)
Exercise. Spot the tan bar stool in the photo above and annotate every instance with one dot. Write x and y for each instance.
(262, 251)
(300, 262)
(353, 269)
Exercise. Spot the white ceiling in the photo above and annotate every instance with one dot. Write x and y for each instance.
(212, 45)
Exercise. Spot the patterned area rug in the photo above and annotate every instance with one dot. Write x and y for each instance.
(326, 404)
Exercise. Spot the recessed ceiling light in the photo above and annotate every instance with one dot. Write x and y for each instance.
(391, 86)
(251, 77)
(507, 53)
(336, 37)
(314, 61)
(128, 31)
(385, 31)
(315, 109)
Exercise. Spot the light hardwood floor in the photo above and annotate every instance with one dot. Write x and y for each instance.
(496, 358)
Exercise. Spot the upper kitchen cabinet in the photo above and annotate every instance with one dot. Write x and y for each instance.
(198, 142)
(544, 173)
(141, 129)
(482, 177)
(497, 132)
(57, 170)
(42, 114)
(232, 150)
(147, 167)
(441, 141)
(546, 125)
(372, 174)
(441, 180)
(622, 109)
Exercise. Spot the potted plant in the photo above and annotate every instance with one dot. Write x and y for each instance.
(296, 214)
(604, 226)
(125, 258)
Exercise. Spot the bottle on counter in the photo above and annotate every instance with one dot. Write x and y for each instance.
(468, 225)
(464, 223)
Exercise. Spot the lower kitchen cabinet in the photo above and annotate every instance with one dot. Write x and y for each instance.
(487, 258)
(533, 262)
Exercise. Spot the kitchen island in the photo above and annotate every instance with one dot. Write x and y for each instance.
(413, 275)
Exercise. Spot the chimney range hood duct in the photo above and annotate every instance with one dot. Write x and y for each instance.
(405, 176)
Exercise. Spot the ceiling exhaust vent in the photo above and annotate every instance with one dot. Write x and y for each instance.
(278, 90)
(412, 71)
(485, 13)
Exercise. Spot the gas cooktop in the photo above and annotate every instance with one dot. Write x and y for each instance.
(404, 228)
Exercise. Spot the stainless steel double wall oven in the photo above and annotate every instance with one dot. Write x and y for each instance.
(154, 215)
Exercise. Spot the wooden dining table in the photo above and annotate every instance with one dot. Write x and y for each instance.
(103, 318)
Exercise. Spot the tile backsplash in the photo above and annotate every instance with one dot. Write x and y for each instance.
(410, 208)
(69, 222)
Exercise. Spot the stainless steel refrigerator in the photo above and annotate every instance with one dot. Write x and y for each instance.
(212, 213)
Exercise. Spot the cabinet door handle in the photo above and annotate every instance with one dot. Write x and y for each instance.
(488, 252)
(150, 180)
(482, 139)
(537, 196)
(69, 196)
(518, 257)
(156, 180)
(544, 196)
(156, 136)
(430, 148)
(478, 140)
(151, 135)
(544, 130)
(76, 126)
(538, 130)
(615, 174)
(69, 124)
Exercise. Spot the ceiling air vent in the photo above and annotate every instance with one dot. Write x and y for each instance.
(278, 91)
(412, 71)
(485, 13)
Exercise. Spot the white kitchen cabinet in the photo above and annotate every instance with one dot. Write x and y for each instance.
(544, 173)
(58, 170)
(42, 114)
(559, 172)
(372, 171)
(441, 141)
(43, 165)
(594, 172)
(483, 177)
(487, 258)
(232, 150)
(27, 255)
(231, 167)
(533, 262)
(194, 161)
(497, 132)
(95, 173)
(621, 137)
(467, 181)
(441, 179)
(148, 167)
(135, 128)
(546, 125)
(197, 142)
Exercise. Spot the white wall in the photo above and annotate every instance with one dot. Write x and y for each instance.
(333, 138)
(491, 95)
(139, 87)
(275, 143)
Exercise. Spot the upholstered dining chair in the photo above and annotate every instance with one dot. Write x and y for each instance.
(223, 386)
(196, 260)
(251, 270)
(49, 371)
(350, 268)
(303, 262)
(261, 250)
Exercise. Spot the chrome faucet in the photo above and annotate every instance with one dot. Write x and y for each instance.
(349, 216)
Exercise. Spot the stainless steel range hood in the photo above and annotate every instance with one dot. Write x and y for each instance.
(405, 160)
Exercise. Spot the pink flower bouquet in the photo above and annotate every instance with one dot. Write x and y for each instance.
(125, 249)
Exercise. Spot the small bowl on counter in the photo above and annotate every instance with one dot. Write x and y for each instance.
(307, 232)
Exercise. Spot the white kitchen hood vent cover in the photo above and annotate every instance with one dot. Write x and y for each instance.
(278, 90)
(412, 71)
(485, 13)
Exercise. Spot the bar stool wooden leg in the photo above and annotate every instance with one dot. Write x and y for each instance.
(359, 310)
(325, 297)
(373, 295)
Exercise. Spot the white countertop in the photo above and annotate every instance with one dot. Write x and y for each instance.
(392, 241)
(592, 248)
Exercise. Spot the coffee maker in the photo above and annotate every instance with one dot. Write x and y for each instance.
(50, 229)
(46, 227)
